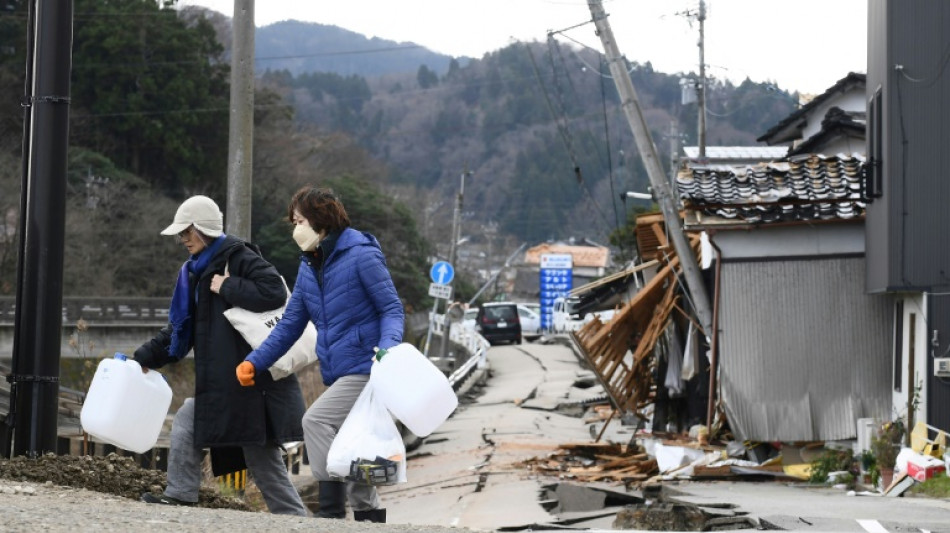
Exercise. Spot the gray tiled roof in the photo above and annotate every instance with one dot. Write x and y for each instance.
(813, 187)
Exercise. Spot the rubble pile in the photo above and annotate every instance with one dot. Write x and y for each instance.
(112, 474)
(596, 461)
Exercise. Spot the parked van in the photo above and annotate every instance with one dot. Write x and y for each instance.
(564, 316)
(499, 321)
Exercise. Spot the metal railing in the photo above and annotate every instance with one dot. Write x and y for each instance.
(101, 310)
(471, 341)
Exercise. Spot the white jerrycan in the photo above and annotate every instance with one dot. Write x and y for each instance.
(126, 407)
(416, 392)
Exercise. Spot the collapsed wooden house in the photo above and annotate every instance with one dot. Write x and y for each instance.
(622, 352)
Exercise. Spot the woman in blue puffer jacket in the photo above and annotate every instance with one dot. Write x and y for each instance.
(344, 287)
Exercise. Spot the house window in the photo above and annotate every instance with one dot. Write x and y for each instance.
(899, 344)
(874, 172)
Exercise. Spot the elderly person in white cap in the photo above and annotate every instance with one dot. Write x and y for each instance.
(242, 426)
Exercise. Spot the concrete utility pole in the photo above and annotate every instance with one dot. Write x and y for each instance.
(39, 303)
(241, 131)
(661, 190)
(453, 251)
(674, 152)
(701, 89)
(457, 220)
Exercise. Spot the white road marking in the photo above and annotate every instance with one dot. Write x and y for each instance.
(872, 526)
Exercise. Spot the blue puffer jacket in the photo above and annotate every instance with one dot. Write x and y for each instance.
(354, 308)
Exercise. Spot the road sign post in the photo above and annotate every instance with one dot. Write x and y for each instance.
(437, 290)
(441, 274)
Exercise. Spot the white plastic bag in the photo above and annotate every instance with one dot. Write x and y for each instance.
(369, 433)
(255, 327)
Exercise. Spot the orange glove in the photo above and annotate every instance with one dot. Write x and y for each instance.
(245, 373)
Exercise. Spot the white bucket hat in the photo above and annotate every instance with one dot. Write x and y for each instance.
(202, 213)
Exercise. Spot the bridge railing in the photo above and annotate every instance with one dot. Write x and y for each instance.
(101, 310)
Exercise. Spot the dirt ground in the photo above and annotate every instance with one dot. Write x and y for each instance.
(111, 474)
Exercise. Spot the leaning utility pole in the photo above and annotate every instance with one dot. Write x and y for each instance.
(241, 131)
(662, 191)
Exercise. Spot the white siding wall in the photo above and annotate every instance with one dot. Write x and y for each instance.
(853, 100)
(914, 315)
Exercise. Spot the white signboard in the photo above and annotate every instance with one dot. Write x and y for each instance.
(557, 261)
(437, 290)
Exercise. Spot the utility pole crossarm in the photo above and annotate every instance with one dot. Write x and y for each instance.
(664, 197)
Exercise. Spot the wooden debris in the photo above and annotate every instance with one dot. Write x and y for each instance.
(596, 461)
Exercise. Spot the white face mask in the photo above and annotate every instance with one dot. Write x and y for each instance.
(306, 238)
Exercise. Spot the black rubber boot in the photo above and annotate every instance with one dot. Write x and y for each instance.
(332, 498)
(373, 515)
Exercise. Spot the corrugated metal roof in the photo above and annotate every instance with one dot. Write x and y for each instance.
(813, 187)
(805, 352)
(764, 153)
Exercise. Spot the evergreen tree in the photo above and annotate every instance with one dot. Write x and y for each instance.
(151, 93)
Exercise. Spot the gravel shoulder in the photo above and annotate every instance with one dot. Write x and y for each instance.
(29, 507)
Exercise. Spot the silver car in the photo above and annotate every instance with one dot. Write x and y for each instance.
(530, 322)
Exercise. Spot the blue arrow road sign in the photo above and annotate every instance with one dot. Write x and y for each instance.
(442, 273)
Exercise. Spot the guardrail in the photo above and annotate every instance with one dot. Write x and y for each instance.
(101, 310)
(470, 340)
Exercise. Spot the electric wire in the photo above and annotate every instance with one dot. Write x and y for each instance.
(591, 67)
(203, 60)
(904, 143)
(562, 130)
(564, 133)
(943, 66)
(553, 46)
(610, 165)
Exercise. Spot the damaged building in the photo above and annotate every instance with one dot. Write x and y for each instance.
(801, 349)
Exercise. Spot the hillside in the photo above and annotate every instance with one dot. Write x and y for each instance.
(536, 129)
(303, 47)
(539, 126)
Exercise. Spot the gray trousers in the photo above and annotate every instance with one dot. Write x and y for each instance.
(320, 424)
(264, 463)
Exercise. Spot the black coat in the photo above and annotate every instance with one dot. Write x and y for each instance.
(227, 414)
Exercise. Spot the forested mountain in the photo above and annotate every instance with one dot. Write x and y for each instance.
(538, 126)
(306, 47)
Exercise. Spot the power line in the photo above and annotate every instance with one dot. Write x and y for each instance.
(553, 44)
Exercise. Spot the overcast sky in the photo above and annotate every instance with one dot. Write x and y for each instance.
(801, 45)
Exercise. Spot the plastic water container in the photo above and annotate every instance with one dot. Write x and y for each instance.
(416, 392)
(125, 406)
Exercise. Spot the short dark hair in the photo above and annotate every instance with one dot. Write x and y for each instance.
(322, 209)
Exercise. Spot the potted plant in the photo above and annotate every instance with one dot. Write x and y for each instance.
(869, 471)
(885, 446)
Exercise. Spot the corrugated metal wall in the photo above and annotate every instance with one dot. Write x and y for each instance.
(804, 352)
